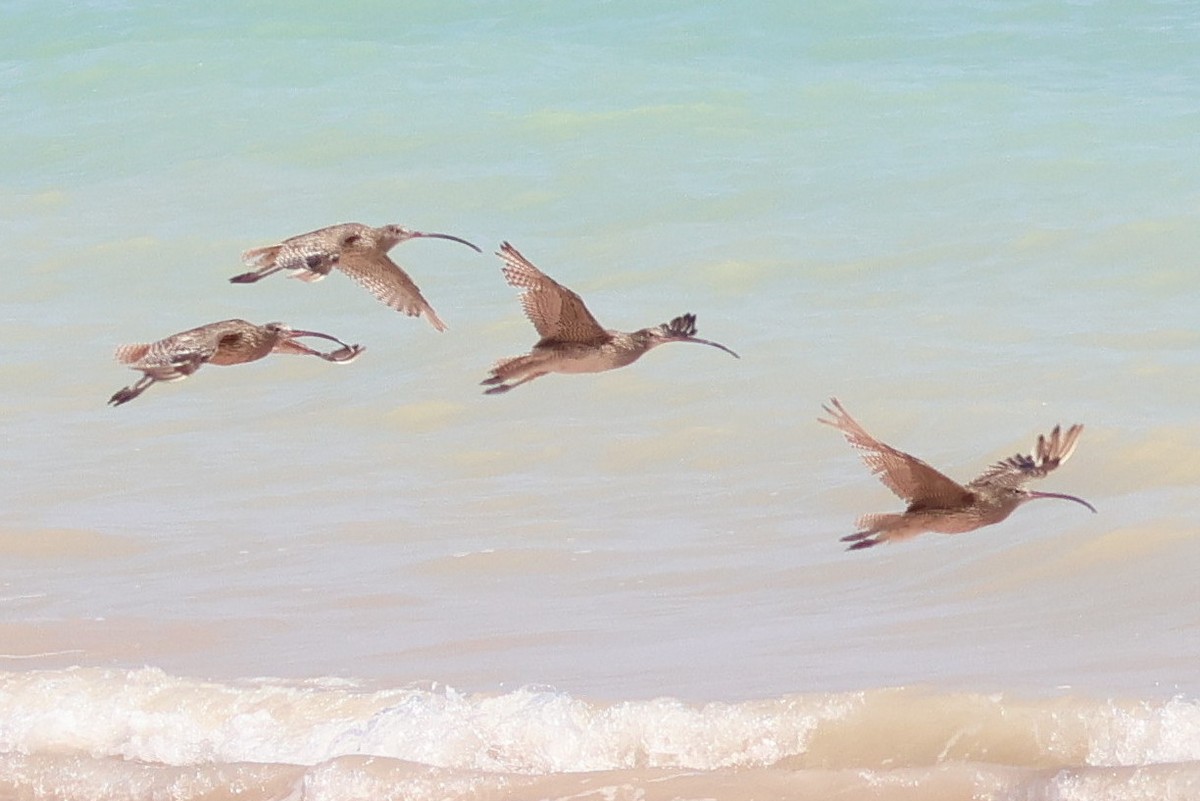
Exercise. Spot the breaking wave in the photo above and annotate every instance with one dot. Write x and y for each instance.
(96, 733)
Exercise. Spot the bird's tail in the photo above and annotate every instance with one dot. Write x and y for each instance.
(261, 257)
(265, 261)
(510, 367)
(874, 529)
(511, 372)
(129, 354)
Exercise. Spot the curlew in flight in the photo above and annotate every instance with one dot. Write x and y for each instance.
(572, 341)
(937, 503)
(227, 342)
(359, 251)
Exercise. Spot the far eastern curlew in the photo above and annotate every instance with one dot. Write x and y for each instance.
(937, 503)
(227, 342)
(359, 251)
(572, 341)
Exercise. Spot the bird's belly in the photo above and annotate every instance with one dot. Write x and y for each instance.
(948, 522)
(583, 361)
(226, 358)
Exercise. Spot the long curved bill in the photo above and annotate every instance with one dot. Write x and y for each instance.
(700, 341)
(1060, 496)
(345, 353)
(447, 236)
(295, 332)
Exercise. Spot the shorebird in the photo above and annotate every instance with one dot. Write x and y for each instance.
(937, 503)
(572, 341)
(359, 251)
(226, 342)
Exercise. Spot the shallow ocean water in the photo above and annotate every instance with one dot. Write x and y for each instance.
(969, 222)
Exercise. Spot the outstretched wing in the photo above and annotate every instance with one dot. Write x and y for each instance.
(1048, 454)
(384, 279)
(556, 312)
(902, 473)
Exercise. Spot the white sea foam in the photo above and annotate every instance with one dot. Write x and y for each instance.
(151, 716)
(132, 733)
(147, 715)
(882, 203)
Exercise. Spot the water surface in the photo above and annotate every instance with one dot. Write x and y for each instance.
(969, 222)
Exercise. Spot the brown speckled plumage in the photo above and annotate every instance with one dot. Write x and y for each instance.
(359, 251)
(938, 503)
(572, 341)
(226, 342)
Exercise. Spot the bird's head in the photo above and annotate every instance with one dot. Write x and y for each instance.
(391, 235)
(681, 329)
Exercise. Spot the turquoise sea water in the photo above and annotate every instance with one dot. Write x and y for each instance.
(968, 221)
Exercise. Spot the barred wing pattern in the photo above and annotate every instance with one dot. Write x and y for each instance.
(557, 313)
(1049, 453)
(904, 474)
(384, 279)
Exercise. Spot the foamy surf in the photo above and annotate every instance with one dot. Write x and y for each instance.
(146, 734)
